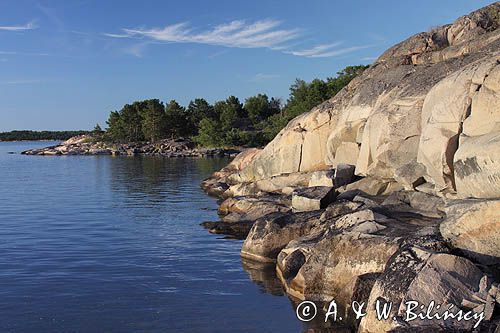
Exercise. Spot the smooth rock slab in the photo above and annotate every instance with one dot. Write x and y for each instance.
(312, 198)
(473, 226)
(270, 234)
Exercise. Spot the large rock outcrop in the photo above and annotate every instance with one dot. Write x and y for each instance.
(405, 117)
(419, 219)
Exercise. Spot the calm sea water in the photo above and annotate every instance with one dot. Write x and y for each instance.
(93, 244)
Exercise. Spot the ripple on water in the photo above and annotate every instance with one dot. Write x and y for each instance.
(114, 244)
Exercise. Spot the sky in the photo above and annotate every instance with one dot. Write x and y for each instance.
(64, 65)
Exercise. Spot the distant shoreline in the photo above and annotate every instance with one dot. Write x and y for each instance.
(44, 140)
(28, 135)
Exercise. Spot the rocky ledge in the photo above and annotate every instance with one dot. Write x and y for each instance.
(87, 145)
(388, 192)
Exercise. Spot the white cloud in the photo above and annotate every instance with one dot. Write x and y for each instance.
(28, 26)
(240, 34)
(315, 50)
(327, 50)
(116, 35)
(260, 34)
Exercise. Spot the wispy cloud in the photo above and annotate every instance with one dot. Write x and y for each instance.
(239, 34)
(137, 50)
(315, 50)
(327, 50)
(217, 54)
(260, 34)
(259, 77)
(27, 26)
(116, 35)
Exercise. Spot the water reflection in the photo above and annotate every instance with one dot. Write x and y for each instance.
(264, 276)
(159, 178)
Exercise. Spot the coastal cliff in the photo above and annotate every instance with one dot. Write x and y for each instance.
(389, 190)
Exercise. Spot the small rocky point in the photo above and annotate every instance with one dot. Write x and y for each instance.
(390, 190)
(89, 145)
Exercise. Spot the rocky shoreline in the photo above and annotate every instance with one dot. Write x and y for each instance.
(352, 246)
(172, 148)
(389, 191)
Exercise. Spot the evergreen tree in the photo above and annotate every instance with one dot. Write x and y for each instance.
(177, 122)
(115, 130)
(153, 120)
(230, 111)
(197, 110)
(210, 134)
(260, 108)
(132, 121)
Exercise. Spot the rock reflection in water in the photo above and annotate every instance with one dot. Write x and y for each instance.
(264, 276)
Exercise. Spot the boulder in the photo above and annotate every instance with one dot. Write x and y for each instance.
(252, 208)
(243, 189)
(321, 265)
(473, 226)
(339, 208)
(420, 274)
(372, 186)
(416, 202)
(344, 174)
(270, 234)
(312, 198)
(236, 230)
(322, 178)
(280, 182)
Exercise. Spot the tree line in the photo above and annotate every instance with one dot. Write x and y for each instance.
(229, 122)
(39, 135)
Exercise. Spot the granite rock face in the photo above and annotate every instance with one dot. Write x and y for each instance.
(389, 191)
(412, 109)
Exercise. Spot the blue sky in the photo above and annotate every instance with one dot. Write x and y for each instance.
(66, 64)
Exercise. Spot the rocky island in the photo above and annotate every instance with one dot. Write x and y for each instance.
(88, 145)
(388, 191)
